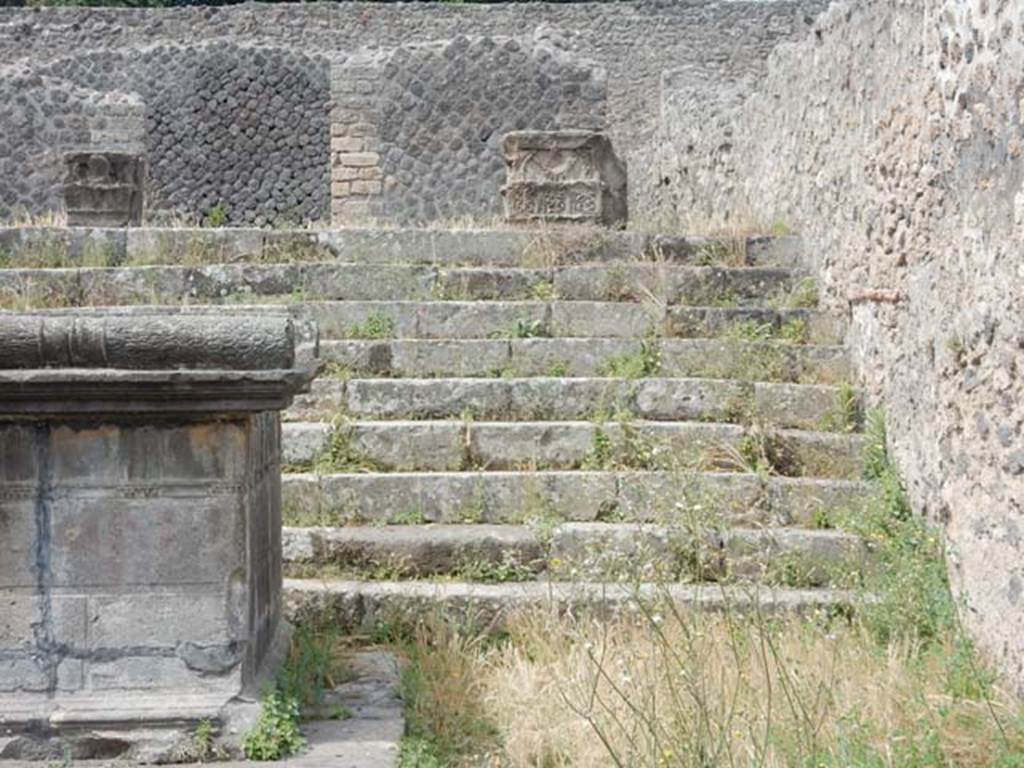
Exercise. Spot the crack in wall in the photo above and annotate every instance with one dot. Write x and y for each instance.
(47, 653)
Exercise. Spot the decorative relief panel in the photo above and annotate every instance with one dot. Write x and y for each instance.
(569, 176)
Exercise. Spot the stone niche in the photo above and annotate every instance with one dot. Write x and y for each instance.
(140, 521)
(563, 176)
(104, 189)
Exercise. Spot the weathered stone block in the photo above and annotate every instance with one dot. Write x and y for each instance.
(114, 620)
(347, 143)
(563, 176)
(417, 550)
(570, 357)
(694, 399)
(671, 498)
(23, 674)
(357, 159)
(18, 529)
(121, 676)
(427, 399)
(561, 398)
(418, 445)
(304, 442)
(367, 187)
(208, 528)
(104, 189)
(513, 445)
(604, 319)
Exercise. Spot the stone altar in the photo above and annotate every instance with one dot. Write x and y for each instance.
(140, 505)
(563, 176)
(104, 189)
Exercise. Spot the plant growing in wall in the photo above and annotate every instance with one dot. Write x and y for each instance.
(216, 216)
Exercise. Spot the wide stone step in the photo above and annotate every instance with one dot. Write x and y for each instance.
(516, 552)
(62, 246)
(709, 358)
(798, 406)
(667, 498)
(780, 557)
(667, 284)
(482, 445)
(523, 319)
(218, 283)
(364, 606)
(578, 551)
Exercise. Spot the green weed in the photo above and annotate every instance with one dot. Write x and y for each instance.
(795, 331)
(643, 363)
(441, 693)
(475, 510)
(313, 667)
(203, 738)
(909, 582)
(543, 291)
(342, 455)
(731, 252)
(845, 414)
(341, 712)
(509, 569)
(558, 369)
(217, 216)
(202, 747)
(529, 329)
(601, 454)
(276, 734)
(723, 300)
(802, 295)
(419, 752)
(408, 516)
(376, 326)
(333, 369)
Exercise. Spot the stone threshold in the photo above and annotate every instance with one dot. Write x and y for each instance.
(368, 737)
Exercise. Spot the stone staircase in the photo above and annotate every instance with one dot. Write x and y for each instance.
(517, 418)
(672, 419)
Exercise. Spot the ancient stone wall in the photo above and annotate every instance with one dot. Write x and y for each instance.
(43, 117)
(714, 42)
(891, 138)
(235, 133)
(419, 127)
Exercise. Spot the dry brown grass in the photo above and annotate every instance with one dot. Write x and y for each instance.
(49, 219)
(665, 689)
(740, 222)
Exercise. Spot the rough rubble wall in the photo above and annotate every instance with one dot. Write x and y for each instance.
(42, 118)
(444, 108)
(892, 138)
(245, 129)
(240, 129)
(714, 42)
